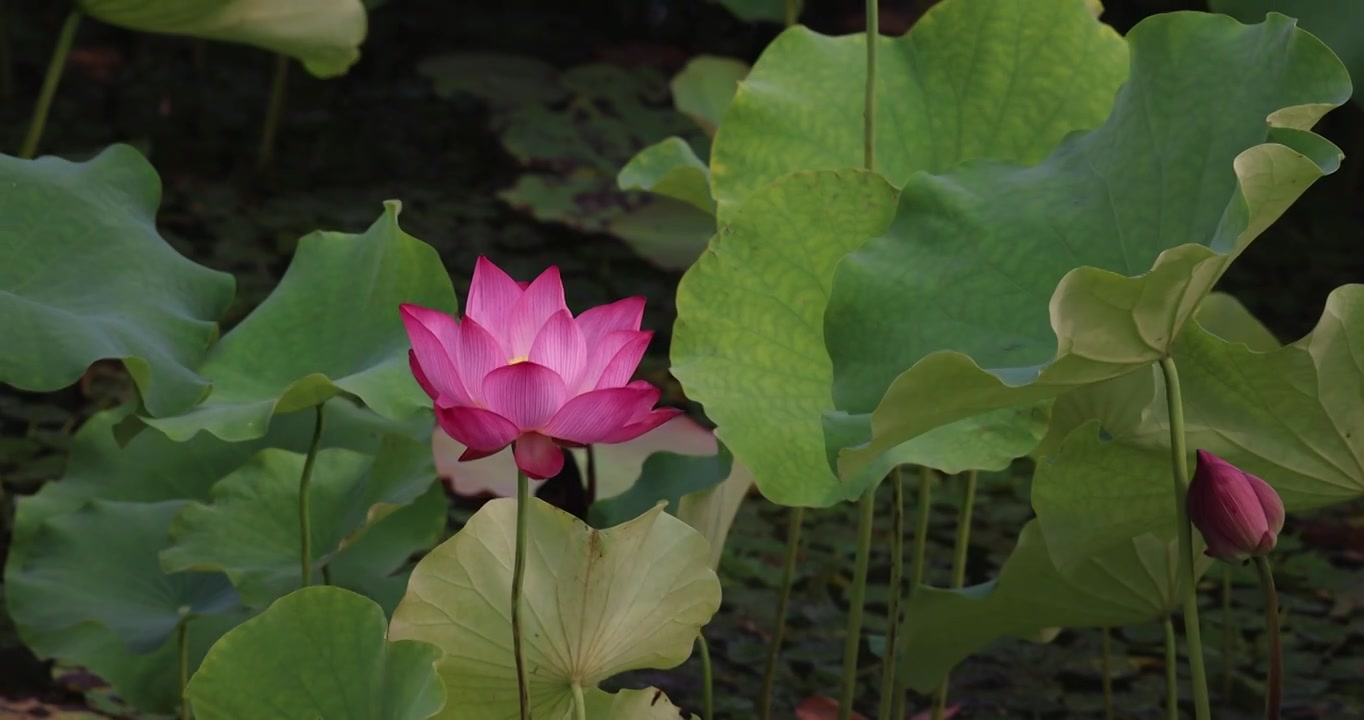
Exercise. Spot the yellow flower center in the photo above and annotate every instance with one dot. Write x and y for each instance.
(516, 360)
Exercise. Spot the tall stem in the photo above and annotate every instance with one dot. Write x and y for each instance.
(916, 578)
(1171, 670)
(707, 679)
(305, 530)
(1106, 643)
(795, 517)
(518, 579)
(867, 509)
(853, 642)
(1180, 461)
(959, 552)
(1274, 680)
(265, 154)
(579, 702)
(183, 643)
(1228, 638)
(792, 12)
(591, 474)
(897, 562)
(51, 80)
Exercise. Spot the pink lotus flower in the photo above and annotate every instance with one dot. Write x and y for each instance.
(519, 369)
(1238, 514)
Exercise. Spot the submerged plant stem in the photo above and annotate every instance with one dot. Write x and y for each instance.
(916, 578)
(1171, 670)
(305, 531)
(1106, 644)
(183, 645)
(518, 579)
(707, 679)
(795, 519)
(1274, 680)
(853, 641)
(897, 561)
(51, 80)
(959, 552)
(278, 87)
(1180, 461)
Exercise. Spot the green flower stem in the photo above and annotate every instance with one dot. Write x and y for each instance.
(591, 474)
(1171, 670)
(792, 12)
(1180, 460)
(183, 644)
(853, 641)
(1228, 638)
(579, 702)
(1274, 680)
(897, 561)
(916, 578)
(51, 80)
(707, 679)
(518, 579)
(305, 530)
(265, 154)
(867, 509)
(959, 552)
(1106, 645)
(795, 519)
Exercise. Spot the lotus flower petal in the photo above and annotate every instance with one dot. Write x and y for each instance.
(528, 394)
(492, 295)
(476, 353)
(483, 431)
(603, 320)
(622, 366)
(433, 335)
(593, 415)
(538, 456)
(561, 348)
(1238, 514)
(543, 298)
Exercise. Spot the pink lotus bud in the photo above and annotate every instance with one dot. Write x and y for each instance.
(1238, 514)
(519, 369)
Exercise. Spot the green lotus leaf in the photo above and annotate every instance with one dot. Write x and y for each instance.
(87, 277)
(579, 629)
(368, 564)
(647, 704)
(759, 10)
(705, 88)
(504, 81)
(666, 477)
(330, 328)
(1135, 582)
(1333, 22)
(150, 472)
(712, 511)
(672, 169)
(319, 652)
(1290, 417)
(324, 35)
(1024, 282)
(972, 79)
(1224, 316)
(667, 233)
(250, 528)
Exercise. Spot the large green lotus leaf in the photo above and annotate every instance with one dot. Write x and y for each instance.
(319, 652)
(250, 529)
(1290, 416)
(1132, 583)
(1024, 282)
(749, 342)
(705, 88)
(325, 35)
(666, 477)
(712, 511)
(98, 565)
(578, 627)
(646, 704)
(759, 10)
(367, 565)
(667, 233)
(670, 168)
(330, 328)
(152, 470)
(87, 277)
(1336, 23)
(972, 79)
